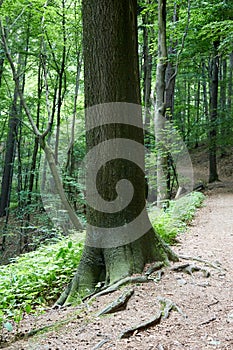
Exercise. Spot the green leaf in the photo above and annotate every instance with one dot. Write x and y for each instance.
(8, 326)
(28, 308)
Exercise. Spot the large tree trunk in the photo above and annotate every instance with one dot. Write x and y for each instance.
(112, 75)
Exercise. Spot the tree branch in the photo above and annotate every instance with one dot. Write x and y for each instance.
(182, 47)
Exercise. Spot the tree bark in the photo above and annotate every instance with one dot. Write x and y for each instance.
(7, 176)
(160, 108)
(171, 70)
(213, 174)
(223, 105)
(112, 75)
(147, 68)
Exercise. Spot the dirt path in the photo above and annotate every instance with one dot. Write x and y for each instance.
(207, 302)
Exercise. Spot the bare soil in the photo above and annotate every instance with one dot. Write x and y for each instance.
(206, 303)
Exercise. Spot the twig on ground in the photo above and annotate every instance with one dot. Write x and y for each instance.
(118, 304)
(208, 321)
(213, 303)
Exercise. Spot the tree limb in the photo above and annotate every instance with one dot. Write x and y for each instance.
(182, 47)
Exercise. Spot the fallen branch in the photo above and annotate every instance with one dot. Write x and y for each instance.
(152, 322)
(118, 304)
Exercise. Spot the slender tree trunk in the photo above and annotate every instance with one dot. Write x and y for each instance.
(223, 106)
(36, 141)
(170, 76)
(147, 69)
(9, 156)
(112, 75)
(213, 174)
(188, 112)
(71, 163)
(160, 108)
(197, 133)
(230, 95)
(204, 91)
(61, 81)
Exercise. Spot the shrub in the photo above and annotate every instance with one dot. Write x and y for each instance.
(174, 220)
(37, 278)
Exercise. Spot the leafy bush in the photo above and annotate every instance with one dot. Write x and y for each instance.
(174, 220)
(37, 278)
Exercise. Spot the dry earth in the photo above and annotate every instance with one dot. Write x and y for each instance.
(206, 320)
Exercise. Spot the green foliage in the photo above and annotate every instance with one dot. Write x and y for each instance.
(36, 279)
(184, 208)
(174, 220)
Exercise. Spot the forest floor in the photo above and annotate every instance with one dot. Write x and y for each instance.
(204, 319)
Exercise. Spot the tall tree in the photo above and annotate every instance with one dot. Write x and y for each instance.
(147, 21)
(111, 75)
(160, 107)
(213, 174)
(14, 120)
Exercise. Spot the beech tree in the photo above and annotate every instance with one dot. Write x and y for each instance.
(111, 74)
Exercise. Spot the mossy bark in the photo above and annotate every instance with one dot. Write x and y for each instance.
(112, 264)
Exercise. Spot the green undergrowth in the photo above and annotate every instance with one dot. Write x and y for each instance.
(35, 280)
(175, 219)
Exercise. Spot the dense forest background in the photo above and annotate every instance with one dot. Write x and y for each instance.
(42, 99)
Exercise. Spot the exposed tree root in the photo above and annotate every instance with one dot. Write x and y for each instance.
(100, 344)
(190, 268)
(119, 304)
(158, 277)
(129, 280)
(115, 286)
(154, 267)
(152, 322)
(167, 306)
(184, 257)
